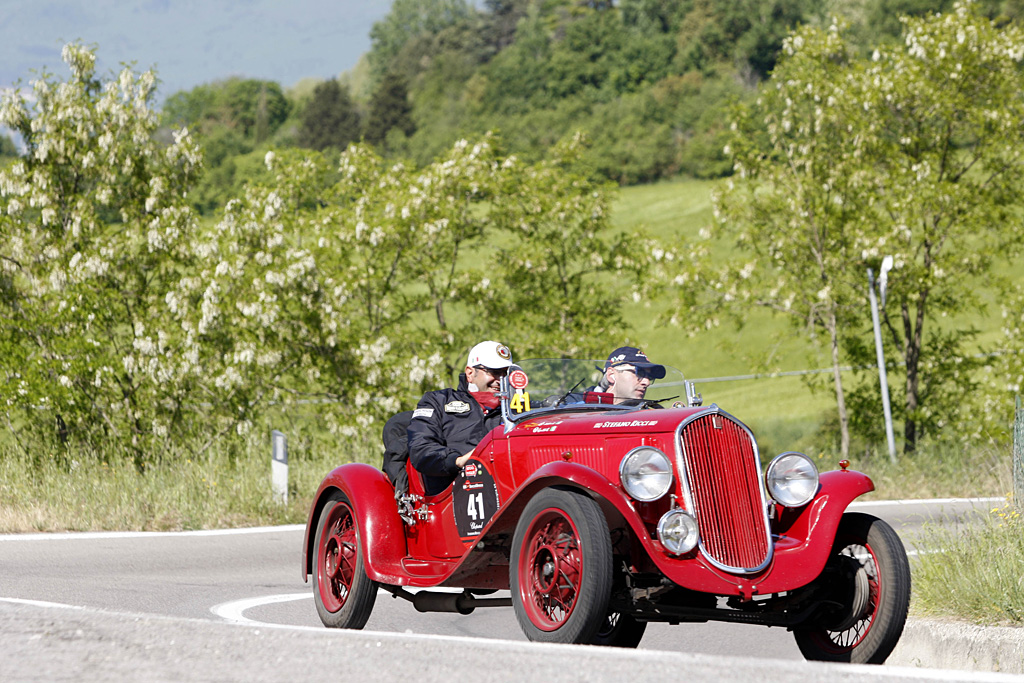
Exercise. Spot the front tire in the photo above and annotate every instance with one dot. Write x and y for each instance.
(343, 594)
(869, 579)
(561, 569)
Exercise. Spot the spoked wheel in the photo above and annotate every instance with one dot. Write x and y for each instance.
(869, 582)
(561, 569)
(620, 630)
(344, 595)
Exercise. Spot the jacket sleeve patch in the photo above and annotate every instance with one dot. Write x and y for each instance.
(423, 412)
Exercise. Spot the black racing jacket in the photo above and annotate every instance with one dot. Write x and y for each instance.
(446, 424)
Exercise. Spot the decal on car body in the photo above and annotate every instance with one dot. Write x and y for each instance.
(626, 423)
(474, 499)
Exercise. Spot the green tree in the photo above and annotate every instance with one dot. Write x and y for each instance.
(914, 153)
(253, 108)
(329, 119)
(8, 150)
(407, 21)
(796, 200)
(500, 21)
(389, 109)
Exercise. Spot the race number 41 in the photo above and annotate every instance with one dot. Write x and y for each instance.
(520, 401)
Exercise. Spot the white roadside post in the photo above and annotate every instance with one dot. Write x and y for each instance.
(279, 465)
(883, 379)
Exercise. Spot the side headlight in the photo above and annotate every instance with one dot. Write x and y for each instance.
(791, 479)
(677, 531)
(645, 473)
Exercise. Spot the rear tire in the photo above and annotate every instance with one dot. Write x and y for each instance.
(561, 569)
(343, 594)
(869, 576)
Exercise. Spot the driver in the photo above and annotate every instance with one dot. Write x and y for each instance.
(448, 423)
(628, 373)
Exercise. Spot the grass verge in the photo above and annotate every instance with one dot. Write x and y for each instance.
(222, 490)
(975, 572)
(936, 471)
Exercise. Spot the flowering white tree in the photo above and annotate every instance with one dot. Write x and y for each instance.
(94, 228)
(368, 290)
(914, 153)
(308, 289)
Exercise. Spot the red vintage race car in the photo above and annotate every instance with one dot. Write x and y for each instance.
(600, 518)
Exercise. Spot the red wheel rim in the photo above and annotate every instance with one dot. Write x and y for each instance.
(550, 569)
(841, 642)
(337, 557)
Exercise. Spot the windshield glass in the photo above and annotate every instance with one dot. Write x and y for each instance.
(544, 384)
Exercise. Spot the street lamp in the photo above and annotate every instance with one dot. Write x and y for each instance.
(882, 280)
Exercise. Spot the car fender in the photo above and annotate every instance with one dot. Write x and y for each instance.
(804, 537)
(381, 530)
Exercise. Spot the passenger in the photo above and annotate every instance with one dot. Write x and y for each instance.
(448, 423)
(627, 375)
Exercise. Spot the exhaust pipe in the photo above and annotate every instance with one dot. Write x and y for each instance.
(461, 603)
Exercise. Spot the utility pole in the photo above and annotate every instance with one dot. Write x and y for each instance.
(883, 379)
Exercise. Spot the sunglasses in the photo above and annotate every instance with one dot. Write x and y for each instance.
(493, 372)
(641, 373)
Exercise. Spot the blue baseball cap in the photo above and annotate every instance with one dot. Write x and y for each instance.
(630, 355)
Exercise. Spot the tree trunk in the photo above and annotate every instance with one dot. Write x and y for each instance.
(837, 378)
(912, 329)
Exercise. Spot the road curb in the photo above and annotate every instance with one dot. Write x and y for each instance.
(965, 647)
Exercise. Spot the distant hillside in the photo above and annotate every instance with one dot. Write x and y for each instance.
(649, 82)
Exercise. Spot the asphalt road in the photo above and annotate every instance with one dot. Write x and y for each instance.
(104, 601)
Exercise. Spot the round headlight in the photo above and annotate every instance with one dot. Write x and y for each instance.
(792, 479)
(645, 473)
(677, 531)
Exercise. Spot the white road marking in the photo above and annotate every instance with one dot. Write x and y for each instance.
(925, 501)
(91, 535)
(42, 603)
(233, 611)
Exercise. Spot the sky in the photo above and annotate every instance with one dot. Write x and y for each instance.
(189, 42)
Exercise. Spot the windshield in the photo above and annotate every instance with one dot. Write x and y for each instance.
(544, 384)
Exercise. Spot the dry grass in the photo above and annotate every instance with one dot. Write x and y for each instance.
(216, 492)
(938, 472)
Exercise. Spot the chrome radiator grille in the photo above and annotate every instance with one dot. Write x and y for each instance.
(723, 476)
